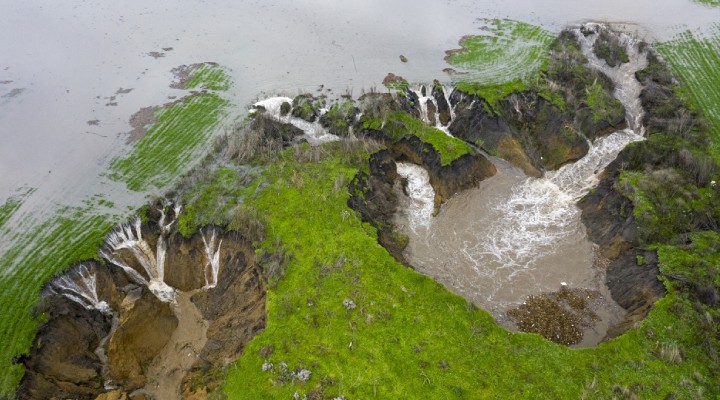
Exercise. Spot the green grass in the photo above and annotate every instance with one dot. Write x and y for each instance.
(500, 62)
(695, 62)
(409, 337)
(37, 254)
(182, 133)
(209, 76)
(602, 103)
(399, 125)
(211, 201)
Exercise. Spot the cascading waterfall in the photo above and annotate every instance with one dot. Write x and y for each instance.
(212, 252)
(80, 286)
(541, 211)
(426, 96)
(314, 132)
(129, 237)
(627, 88)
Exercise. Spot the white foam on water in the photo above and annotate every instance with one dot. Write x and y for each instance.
(421, 195)
(314, 132)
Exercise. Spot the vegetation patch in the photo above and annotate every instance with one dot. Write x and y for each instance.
(209, 76)
(712, 3)
(182, 131)
(496, 64)
(695, 62)
(12, 204)
(399, 125)
(347, 320)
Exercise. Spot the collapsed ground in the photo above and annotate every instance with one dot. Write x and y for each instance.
(362, 325)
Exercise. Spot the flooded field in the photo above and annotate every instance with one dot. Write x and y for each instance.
(73, 75)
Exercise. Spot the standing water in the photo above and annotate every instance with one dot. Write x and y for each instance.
(514, 236)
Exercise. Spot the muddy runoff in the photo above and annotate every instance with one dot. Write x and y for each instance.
(147, 320)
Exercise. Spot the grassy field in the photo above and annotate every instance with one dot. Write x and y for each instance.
(408, 336)
(12, 204)
(209, 76)
(400, 124)
(500, 62)
(696, 62)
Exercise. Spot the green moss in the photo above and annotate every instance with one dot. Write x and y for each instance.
(181, 133)
(602, 103)
(492, 93)
(449, 148)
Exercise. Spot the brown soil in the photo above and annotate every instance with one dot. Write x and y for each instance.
(140, 122)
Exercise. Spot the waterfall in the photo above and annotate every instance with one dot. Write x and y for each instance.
(314, 132)
(516, 236)
(627, 88)
(80, 286)
(542, 211)
(421, 194)
(129, 237)
(426, 96)
(212, 252)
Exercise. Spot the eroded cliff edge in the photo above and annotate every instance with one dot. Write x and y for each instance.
(116, 326)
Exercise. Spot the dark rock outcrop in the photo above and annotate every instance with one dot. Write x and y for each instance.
(443, 107)
(373, 194)
(303, 107)
(608, 216)
(62, 362)
(235, 308)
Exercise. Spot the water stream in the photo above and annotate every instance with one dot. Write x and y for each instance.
(516, 236)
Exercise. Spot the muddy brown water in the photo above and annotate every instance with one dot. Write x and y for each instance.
(512, 236)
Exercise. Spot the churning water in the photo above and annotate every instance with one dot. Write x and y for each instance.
(516, 236)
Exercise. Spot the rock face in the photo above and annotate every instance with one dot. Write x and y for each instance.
(145, 327)
(107, 326)
(608, 217)
(55, 369)
(528, 130)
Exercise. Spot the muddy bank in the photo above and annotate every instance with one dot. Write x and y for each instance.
(159, 307)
